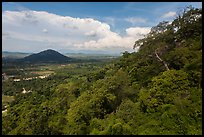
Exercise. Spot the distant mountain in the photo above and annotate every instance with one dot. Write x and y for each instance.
(47, 56)
(14, 55)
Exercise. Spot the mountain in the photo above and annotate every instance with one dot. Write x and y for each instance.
(45, 57)
(14, 55)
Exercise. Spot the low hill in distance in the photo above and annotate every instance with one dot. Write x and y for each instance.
(52, 56)
(14, 55)
(46, 56)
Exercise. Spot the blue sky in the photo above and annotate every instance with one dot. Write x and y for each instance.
(89, 27)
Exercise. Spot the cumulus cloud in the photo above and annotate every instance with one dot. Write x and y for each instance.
(67, 33)
(169, 14)
(138, 31)
(91, 34)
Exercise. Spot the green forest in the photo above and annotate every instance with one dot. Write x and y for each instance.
(156, 90)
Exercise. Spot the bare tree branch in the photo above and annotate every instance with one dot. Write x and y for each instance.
(166, 66)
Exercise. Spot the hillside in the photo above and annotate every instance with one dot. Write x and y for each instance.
(46, 56)
(155, 91)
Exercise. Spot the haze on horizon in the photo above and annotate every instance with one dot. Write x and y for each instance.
(80, 27)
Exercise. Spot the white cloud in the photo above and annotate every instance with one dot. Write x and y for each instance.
(65, 32)
(138, 31)
(135, 20)
(169, 14)
(91, 34)
(45, 30)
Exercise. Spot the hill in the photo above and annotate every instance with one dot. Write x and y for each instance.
(14, 55)
(46, 56)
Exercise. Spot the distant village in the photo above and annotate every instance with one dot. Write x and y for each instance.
(5, 77)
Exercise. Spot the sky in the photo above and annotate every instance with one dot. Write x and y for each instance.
(82, 27)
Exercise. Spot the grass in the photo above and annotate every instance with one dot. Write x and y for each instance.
(7, 99)
(43, 72)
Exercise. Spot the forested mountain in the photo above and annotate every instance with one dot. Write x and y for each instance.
(155, 91)
(46, 56)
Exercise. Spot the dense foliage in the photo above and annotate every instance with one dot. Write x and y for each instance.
(156, 90)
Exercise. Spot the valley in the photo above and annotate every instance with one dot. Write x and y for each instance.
(20, 77)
